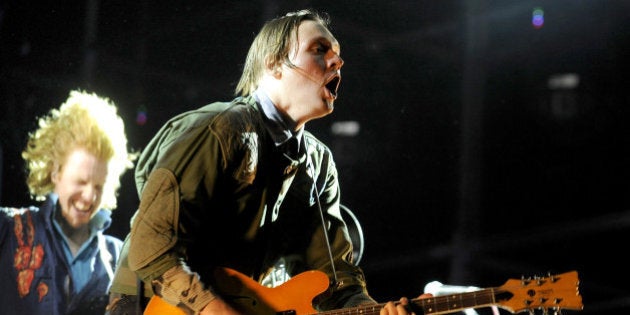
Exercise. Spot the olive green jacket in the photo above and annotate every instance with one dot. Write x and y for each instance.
(215, 191)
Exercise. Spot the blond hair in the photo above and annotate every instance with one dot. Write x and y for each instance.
(85, 121)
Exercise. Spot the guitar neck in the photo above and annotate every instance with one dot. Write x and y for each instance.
(443, 304)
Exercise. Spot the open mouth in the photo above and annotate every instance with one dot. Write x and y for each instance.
(83, 208)
(333, 85)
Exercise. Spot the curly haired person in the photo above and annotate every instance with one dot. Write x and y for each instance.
(55, 258)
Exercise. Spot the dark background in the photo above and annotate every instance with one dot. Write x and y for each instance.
(469, 168)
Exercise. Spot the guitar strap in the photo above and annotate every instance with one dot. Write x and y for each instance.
(311, 170)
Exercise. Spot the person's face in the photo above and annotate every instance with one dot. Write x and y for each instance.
(79, 184)
(312, 84)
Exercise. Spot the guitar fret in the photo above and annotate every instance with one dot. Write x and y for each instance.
(448, 303)
(358, 310)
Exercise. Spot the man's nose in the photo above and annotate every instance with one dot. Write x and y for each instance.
(89, 194)
(337, 61)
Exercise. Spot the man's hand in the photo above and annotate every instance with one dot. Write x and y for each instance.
(402, 307)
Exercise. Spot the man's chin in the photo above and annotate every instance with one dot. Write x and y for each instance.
(80, 220)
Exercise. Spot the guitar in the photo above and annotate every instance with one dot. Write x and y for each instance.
(295, 296)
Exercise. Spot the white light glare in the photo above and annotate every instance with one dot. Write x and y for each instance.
(563, 81)
(345, 128)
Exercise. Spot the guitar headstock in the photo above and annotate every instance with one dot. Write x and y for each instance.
(553, 292)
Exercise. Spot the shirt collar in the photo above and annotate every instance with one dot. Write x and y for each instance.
(280, 127)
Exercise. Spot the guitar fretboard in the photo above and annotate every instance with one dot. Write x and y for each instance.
(443, 304)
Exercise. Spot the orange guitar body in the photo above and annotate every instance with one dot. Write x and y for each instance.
(296, 295)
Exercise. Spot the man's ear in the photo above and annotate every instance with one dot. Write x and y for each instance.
(273, 68)
(277, 72)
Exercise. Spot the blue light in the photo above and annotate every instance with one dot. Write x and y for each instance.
(141, 116)
(538, 17)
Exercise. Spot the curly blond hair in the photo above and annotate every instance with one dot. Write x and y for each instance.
(86, 121)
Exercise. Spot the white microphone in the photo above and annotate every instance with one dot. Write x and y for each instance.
(437, 288)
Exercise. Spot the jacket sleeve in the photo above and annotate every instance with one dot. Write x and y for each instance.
(153, 238)
(182, 165)
(185, 164)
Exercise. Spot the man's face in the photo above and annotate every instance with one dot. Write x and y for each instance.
(312, 84)
(79, 185)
